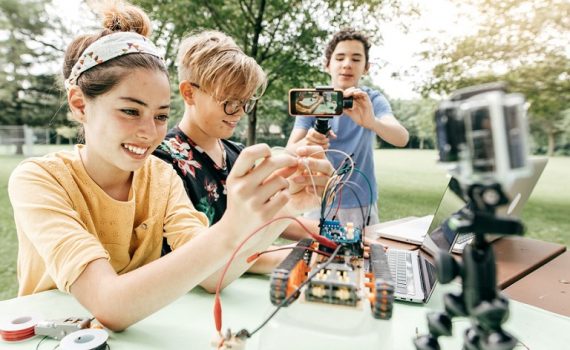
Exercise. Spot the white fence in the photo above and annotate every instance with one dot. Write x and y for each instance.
(21, 139)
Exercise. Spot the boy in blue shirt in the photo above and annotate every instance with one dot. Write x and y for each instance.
(346, 60)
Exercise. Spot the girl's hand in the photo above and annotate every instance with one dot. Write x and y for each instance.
(257, 187)
(313, 173)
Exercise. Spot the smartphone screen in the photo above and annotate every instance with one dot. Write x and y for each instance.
(318, 103)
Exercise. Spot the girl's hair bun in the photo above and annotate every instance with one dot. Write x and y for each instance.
(120, 16)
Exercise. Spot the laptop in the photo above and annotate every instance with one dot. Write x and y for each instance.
(414, 272)
(412, 231)
(518, 193)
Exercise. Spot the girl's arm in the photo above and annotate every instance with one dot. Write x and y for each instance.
(118, 301)
(256, 193)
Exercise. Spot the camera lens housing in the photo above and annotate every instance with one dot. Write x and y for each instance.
(450, 132)
(482, 134)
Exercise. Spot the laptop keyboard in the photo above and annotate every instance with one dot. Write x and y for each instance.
(400, 262)
(465, 237)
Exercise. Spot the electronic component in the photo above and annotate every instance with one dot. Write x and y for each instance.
(290, 273)
(335, 284)
(229, 341)
(348, 236)
(58, 329)
(84, 339)
(18, 329)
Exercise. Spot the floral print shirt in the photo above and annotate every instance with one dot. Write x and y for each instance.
(204, 180)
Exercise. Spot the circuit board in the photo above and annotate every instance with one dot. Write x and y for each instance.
(348, 236)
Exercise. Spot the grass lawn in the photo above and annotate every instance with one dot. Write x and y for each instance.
(410, 183)
(9, 246)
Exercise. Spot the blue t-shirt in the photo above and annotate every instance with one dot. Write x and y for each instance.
(358, 142)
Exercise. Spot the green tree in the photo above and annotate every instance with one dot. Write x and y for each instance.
(417, 116)
(29, 93)
(285, 37)
(523, 42)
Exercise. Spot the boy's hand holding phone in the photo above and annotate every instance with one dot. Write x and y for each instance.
(362, 111)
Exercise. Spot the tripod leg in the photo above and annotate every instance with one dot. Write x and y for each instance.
(490, 315)
(439, 323)
(471, 338)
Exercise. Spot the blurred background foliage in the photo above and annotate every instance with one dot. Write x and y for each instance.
(522, 42)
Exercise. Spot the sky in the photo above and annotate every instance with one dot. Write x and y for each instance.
(399, 51)
(396, 64)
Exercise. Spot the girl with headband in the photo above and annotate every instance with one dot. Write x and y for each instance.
(91, 221)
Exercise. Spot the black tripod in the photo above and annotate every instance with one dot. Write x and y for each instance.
(479, 299)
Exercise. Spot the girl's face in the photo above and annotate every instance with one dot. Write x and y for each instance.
(347, 64)
(125, 125)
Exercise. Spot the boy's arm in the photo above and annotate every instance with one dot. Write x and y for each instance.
(390, 130)
(386, 125)
(268, 262)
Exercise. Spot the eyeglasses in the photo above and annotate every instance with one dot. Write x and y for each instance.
(231, 107)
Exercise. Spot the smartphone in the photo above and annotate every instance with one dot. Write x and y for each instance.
(317, 102)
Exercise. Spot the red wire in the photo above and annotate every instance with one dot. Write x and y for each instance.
(257, 255)
(217, 301)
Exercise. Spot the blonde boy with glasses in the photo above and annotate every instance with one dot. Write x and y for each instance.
(219, 84)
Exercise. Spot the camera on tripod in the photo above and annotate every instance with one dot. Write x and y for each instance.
(482, 137)
(482, 134)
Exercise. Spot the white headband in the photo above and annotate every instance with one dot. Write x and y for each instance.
(109, 47)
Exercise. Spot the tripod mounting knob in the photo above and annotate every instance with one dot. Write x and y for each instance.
(447, 267)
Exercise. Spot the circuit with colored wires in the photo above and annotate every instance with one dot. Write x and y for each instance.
(328, 268)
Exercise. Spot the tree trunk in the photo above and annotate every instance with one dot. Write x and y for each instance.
(551, 143)
(251, 126)
(257, 29)
(421, 143)
(20, 136)
(19, 149)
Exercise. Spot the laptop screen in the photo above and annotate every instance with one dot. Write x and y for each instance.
(440, 237)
